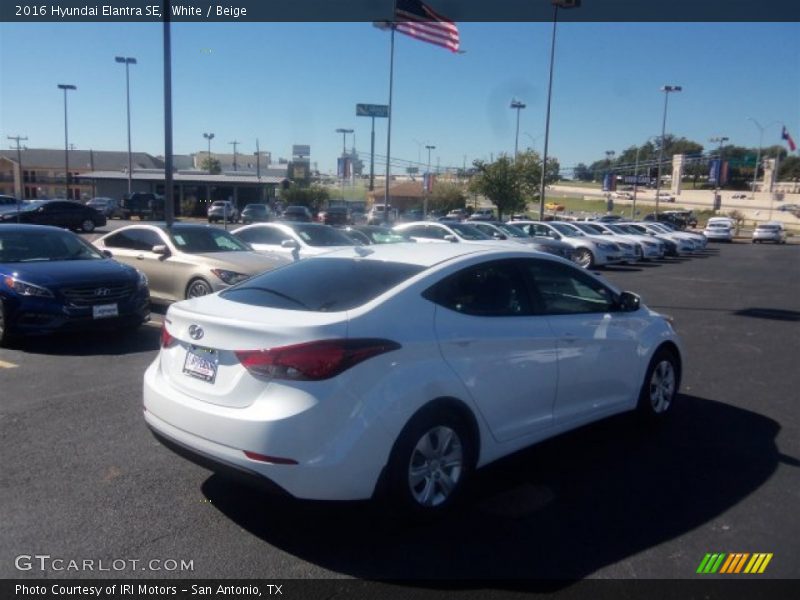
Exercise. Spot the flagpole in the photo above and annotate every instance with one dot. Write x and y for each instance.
(389, 128)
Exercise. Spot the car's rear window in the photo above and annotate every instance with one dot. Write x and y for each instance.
(322, 284)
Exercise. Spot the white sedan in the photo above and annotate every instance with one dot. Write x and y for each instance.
(295, 239)
(396, 370)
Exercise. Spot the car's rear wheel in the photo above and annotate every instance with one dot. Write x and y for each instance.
(430, 463)
(5, 333)
(198, 287)
(660, 386)
(87, 225)
(584, 258)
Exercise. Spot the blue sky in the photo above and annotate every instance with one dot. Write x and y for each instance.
(296, 83)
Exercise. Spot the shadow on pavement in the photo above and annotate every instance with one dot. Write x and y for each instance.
(103, 342)
(775, 314)
(562, 509)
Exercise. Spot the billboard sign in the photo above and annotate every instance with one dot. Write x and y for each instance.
(718, 172)
(372, 110)
(343, 167)
(301, 151)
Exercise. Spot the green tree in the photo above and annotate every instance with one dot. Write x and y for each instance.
(789, 169)
(313, 196)
(211, 165)
(447, 196)
(582, 173)
(499, 181)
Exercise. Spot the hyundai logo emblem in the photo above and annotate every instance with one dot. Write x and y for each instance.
(102, 292)
(195, 332)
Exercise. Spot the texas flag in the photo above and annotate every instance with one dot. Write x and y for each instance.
(785, 136)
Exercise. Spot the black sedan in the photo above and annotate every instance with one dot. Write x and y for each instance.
(59, 213)
(52, 280)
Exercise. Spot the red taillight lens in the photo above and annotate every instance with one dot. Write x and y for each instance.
(166, 337)
(313, 361)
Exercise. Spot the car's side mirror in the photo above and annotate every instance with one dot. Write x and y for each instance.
(160, 249)
(289, 244)
(499, 236)
(629, 302)
(107, 253)
(451, 238)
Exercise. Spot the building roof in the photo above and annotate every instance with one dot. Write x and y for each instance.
(43, 158)
(184, 176)
(406, 189)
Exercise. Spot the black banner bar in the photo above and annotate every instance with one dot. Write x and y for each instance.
(381, 10)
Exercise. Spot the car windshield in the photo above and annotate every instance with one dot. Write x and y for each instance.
(385, 236)
(511, 230)
(468, 232)
(321, 235)
(567, 230)
(322, 285)
(44, 246)
(618, 229)
(97, 202)
(767, 227)
(589, 228)
(256, 208)
(199, 240)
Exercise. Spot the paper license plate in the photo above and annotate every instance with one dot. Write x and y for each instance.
(104, 311)
(201, 364)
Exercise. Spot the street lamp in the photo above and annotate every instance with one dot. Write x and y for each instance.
(209, 137)
(234, 143)
(556, 5)
(66, 87)
(428, 147)
(344, 133)
(666, 89)
(127, 61)
(516, 104)
(758, 154)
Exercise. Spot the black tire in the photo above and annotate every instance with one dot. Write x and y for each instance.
(5, 331)
(198, 287)
(87, 225)
(660, 385)
(430, 463)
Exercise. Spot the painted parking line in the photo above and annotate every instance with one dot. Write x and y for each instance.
(7, 365)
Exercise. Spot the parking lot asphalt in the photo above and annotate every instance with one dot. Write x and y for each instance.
(82, 478)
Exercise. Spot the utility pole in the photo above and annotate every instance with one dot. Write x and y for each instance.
(234, 143)
(666, 89)
(718, 187)
(428, 183)
(516, 104)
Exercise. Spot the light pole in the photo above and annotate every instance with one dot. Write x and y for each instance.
(718, 187)
(518, 106)
(234, 143)
(127, 61)
(18, 139)
(66, 87)
(344, 133)
(428, 183)
(209, 137)
(556, 5)
(758, 154)
(666, 89)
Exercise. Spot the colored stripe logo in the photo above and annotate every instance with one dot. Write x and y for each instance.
(734, 563)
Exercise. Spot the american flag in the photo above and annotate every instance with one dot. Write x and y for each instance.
(788, 138)
(420, 21)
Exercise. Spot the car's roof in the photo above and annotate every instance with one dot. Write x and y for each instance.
(424, 255)
(30, 228)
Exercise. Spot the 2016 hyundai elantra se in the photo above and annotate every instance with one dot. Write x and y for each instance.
(397, 370)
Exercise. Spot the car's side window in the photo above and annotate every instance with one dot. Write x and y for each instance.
(263, 235)
(144, 239)
(416, 231)
(118, 240)
(560, 289)
(495, 289)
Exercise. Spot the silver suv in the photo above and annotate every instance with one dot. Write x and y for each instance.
(223, 210)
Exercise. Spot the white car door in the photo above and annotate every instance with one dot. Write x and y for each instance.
(597, 343)
(504, 355)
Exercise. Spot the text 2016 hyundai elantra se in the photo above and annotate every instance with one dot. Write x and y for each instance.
(397, 370)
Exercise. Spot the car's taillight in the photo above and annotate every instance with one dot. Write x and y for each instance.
(313, 361)
(166, 337)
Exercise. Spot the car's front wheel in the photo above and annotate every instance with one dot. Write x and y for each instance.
(660, 386)
(584, 258)
(87, 225)
(198, 287)
(430, 463)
